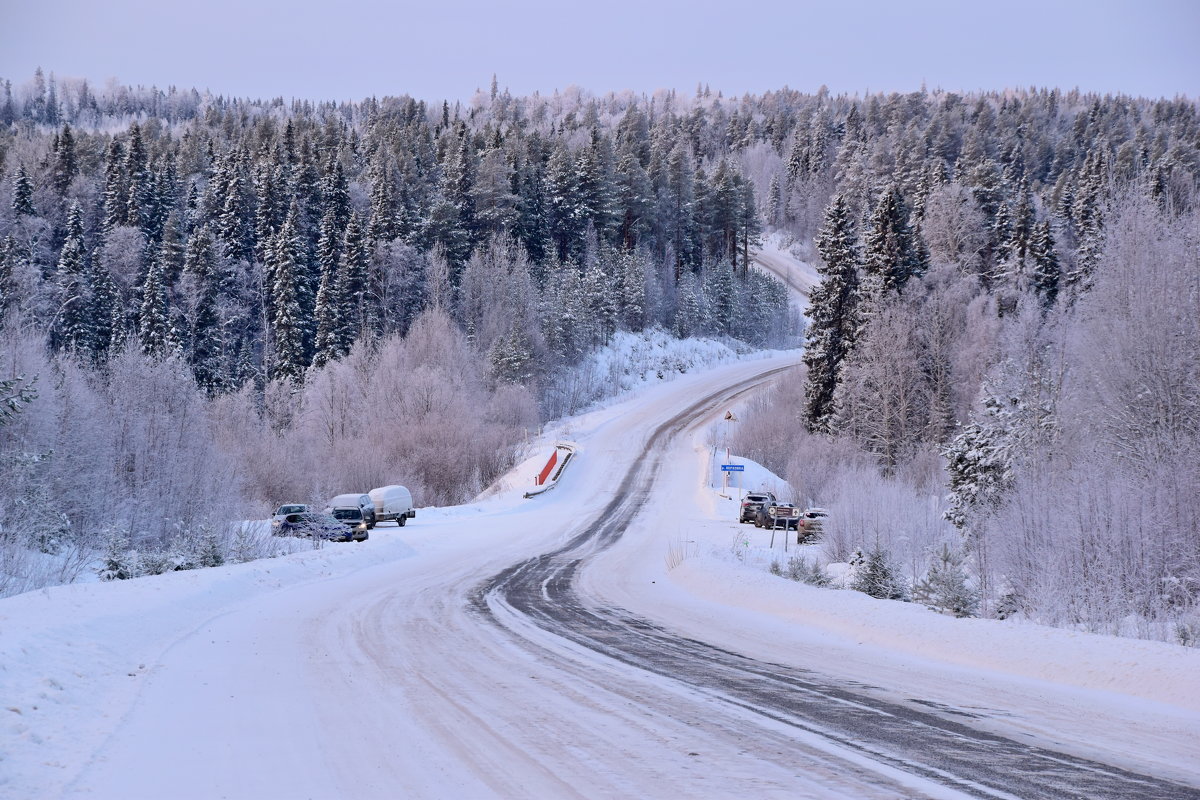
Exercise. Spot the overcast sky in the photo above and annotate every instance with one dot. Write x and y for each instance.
(446, 49)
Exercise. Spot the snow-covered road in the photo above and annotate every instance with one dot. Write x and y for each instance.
(388, 669)
(797, 276)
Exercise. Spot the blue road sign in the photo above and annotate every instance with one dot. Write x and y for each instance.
(733, 467)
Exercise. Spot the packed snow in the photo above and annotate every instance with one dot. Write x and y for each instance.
(352, 670)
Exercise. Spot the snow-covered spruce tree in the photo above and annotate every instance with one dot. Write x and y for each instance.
(774, 201)
(719, 286)
(833, 311)
(137, 174)
(511, 357)
(879, 576)
(1017, 421)
(115, 187)
(22, 193)
(109, 327)
(153, 322)
(73, 324)
(691, 309)
(1046, 271)
(66, 162)
(118, 562)
(978, 466)
(328, 308)
(945, 587)
(205, 340)
(632, 291)
(289, 326)
(1088, 215)
(890, 253)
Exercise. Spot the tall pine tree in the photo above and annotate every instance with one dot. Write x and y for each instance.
(833, 314)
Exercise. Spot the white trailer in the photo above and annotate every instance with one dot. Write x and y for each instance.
(393, 502)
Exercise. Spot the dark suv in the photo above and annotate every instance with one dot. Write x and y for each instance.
(777, 515)
(320, 526)
(752, 503)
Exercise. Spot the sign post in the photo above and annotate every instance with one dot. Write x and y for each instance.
(737, 469)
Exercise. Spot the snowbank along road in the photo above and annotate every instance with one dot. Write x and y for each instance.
(761, 701)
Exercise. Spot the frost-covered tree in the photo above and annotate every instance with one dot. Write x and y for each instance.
(1046, 270)
(206, 336)
(946, 586)
(66, 162)
(979, 466)
(290, 327)
(879, 576)
(511, 358)
(352, 289)
(73, 329)
(153, 321)
(890, 253)
(22, 193)
(15, 394)
(833, 314)
(883, 399)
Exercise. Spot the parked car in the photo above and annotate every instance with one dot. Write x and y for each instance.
(319, 526)
(778, 515)
(752, 503)
(355, 510)
(810, 523)
(392, 502)
(283, 511)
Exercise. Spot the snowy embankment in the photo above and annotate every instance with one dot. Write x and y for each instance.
(633, 360)
(704, 574)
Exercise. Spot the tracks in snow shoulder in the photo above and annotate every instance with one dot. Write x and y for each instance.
(912, 739)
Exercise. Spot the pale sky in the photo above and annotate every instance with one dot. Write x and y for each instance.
(445, 50)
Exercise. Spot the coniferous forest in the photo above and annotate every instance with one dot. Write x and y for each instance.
(210, 304)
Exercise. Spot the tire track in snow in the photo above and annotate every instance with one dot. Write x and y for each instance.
(542, 592)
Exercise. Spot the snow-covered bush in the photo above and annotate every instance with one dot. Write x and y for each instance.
(879, 577)
(800, 568)
(946, 587)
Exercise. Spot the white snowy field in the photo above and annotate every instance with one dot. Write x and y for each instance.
(357, 671)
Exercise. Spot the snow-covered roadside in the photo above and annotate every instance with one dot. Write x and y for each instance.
(1129, 702)
(90, 644)
(92, 641)
(75, 659)
(634, 360)
(775, 257)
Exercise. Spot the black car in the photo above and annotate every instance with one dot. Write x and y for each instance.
(752, 503)
(320, 526)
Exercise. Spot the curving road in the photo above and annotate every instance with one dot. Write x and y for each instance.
(944, 750)
(492, 662)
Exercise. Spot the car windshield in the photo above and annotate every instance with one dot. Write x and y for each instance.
(295, 509)
(347, 513)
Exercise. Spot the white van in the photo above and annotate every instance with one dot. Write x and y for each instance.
(355, 510)
(393, 502)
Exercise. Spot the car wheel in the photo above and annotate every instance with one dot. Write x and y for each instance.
(402, 521)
